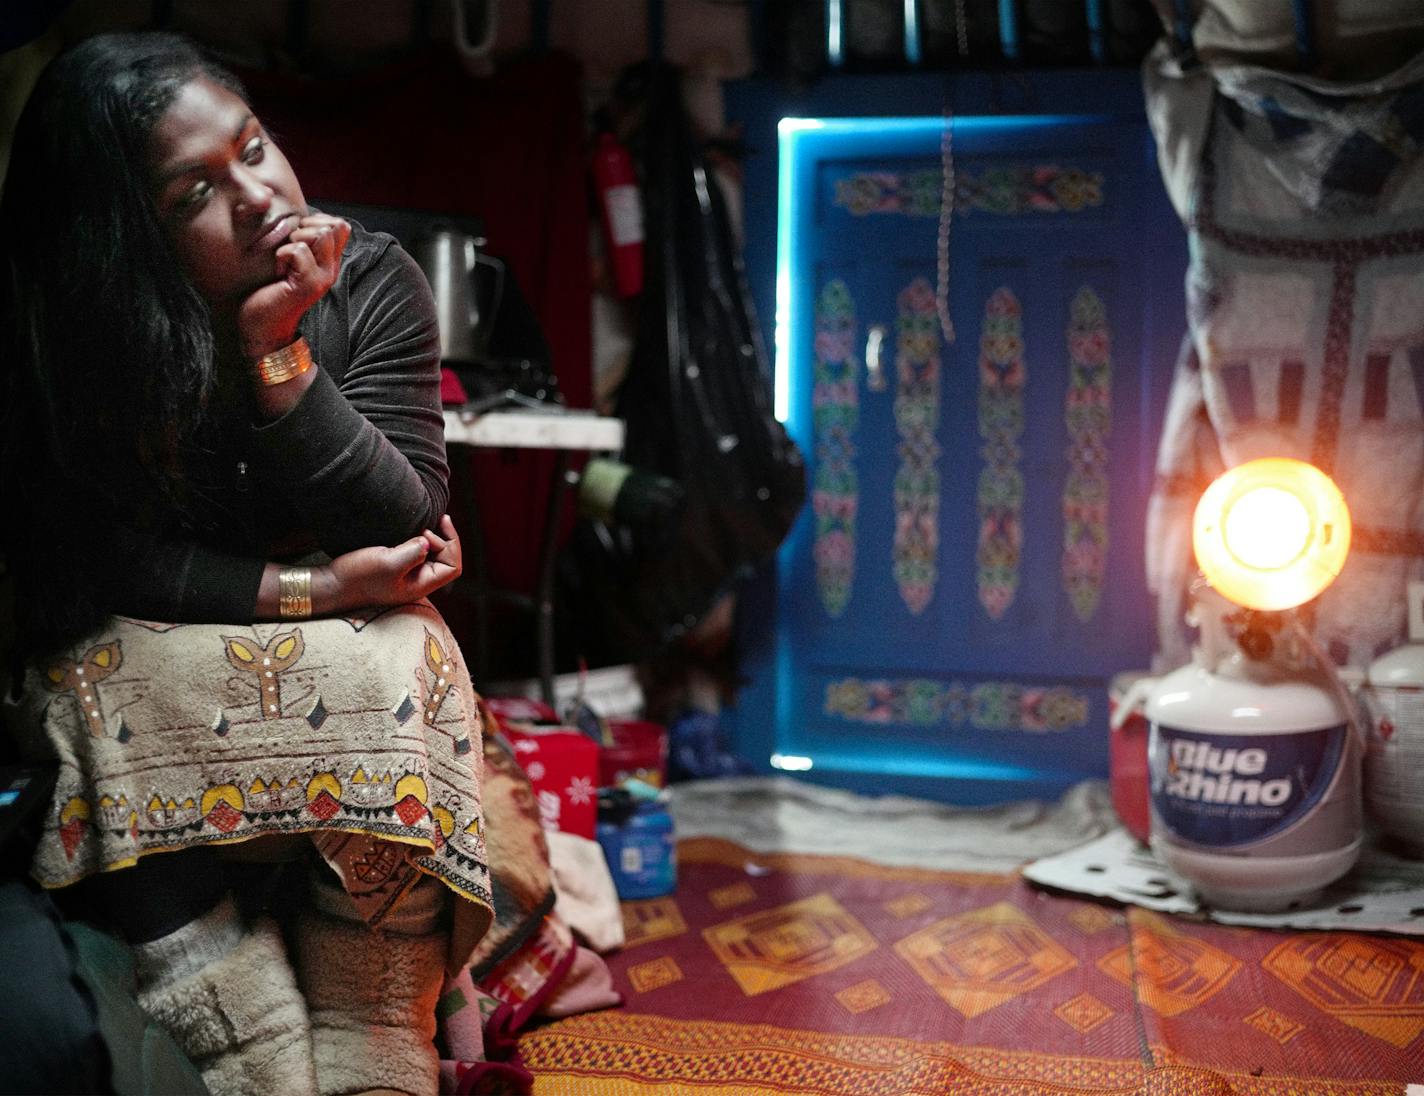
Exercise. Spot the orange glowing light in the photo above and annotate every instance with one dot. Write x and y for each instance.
(1271, 533)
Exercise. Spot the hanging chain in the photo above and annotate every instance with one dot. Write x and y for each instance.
(947, 182)
(946, 218)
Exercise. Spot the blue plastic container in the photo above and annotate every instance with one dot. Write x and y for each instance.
(639, 850)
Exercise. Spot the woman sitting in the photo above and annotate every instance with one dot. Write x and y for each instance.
(224, 479)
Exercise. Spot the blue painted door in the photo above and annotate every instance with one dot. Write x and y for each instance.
(978, 397)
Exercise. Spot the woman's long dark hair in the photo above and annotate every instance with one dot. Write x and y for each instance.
(106, 350)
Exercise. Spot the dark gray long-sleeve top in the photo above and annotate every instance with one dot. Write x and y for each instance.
(359, 461)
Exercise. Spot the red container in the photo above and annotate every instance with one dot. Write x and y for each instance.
(521, 709)
(1127, 759)
(639, 751)
(452, 392)
(562, 765)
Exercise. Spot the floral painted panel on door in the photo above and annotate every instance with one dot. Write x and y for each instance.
(835, 489)
(1002, 374)
(1089, 416)
(946, 620)
(917, 369)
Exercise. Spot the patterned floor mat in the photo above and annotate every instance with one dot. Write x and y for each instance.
(779, 973)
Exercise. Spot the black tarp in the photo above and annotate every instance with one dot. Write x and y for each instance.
(698, 406)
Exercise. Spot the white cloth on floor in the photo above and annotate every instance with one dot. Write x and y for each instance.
(587, 899)
(776, 814)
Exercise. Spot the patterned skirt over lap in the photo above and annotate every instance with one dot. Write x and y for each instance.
(364, 733)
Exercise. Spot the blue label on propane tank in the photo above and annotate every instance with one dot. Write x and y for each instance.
(1222, 790)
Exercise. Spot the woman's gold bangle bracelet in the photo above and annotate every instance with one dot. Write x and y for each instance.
(294, 593)
(282, 365)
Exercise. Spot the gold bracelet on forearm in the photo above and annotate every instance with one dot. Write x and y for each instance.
(282, 365)
(294, 593)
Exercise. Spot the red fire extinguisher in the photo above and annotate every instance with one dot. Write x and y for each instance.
(620, 208)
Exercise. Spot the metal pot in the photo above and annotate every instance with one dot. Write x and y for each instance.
(466, 287)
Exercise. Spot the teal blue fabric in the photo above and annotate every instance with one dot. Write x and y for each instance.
(144, 1059)
(69, 1011)
(52, 1041)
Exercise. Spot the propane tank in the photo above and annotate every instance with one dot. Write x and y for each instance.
(1394, 750)
(1254, 764)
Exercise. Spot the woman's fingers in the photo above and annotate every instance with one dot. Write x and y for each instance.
(452, 538)
(437, 543)
(312, 253)
(435, 575)
(341, 224)
(325, 258)
(442, 565)
(448, 552)
(399, 574)
(326, 235)
(446, 544)
(408, 557)
(324, 243)
(337, 225)
(312, 237)
(452, 554)
(296, 264)
(308, 263)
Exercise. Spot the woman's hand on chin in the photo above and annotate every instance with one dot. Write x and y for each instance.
(307, 266)
(398, 575)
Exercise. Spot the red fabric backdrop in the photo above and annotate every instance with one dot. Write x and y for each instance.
(510, 150)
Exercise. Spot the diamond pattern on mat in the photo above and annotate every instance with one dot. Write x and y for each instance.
(863, 996)
(1374, 984)
(908, 905)
(1277, 1025)
(738, 894)
(651, 919)
(1093, 919)
(1083, 1012)
(1175, 972)
(980, 959)
(774, 948)
(659, 972)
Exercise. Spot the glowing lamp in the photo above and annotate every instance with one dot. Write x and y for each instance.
(1253, 749)
(1272, 533)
